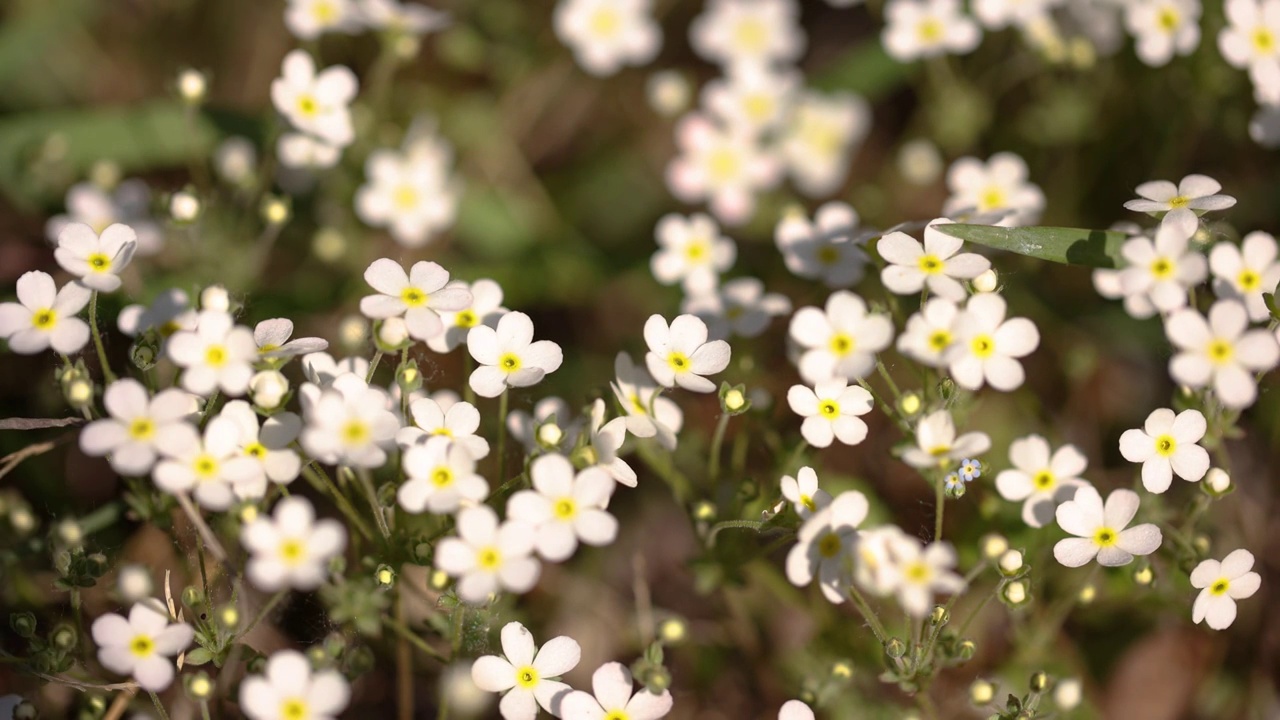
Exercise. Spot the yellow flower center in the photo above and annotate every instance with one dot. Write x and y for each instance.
(99, 263)
(842, 344)
(825, 139)
(723, 165)
(565, 508)
(983, 346)
(696, 250)
(829, 545)
(442, 477)
(917, 572)
(142, 646)
(808, 503)
(442, 431)
(939, 340)
(509, 362)
(991, 199)
(44, 319)
(1220, 587)
(142, 429)
(1248, 280)
(828, 255)
(829, 409)
(759, 107)
(1044, 480)
(1221, 352)
(256, 450)
(1105, 537)
(1166, 445)
(930, 264)
(605, 22)
(405, 198)
(1178, 202)
(292, 552)
(1162, 268)
(678, 361)
(1168, 19)
(929, 30)
(1264, 41)
(355, 432)
(637, 405)
(617, 715)
(206, 466)
(489, 558)
(413, 297)
(751, 35)
(307, 105)
(215, 356)
(939, 450)
(466, 319)
(293, 709)
(527, 677)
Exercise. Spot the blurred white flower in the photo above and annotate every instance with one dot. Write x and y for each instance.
(211, 468)
(825, 546)
(819, 138)
(752, 98)
(917, 29)
(551, 426)
(938, 446)
(794, 709)
(681, 355)
(169, 312)
(756, 32)
(648, 414)
(96, 260)
(217, 355)
(605, 35)
(1221, 351)
(410, 191)
(1252, 37)
(1166, 445)
(308, 19)
(316, 104)
(1246, 272)
(128, 204)
(485, 309)
(418, 296)
(720, 165)
(288, 689)
(1041, 481)
(141, 646)
(134, 582)
(44, 316)
(291, 549)
(920, 571)
(402, 17)
(998, 14)
(691, 251)
(998, 186)
(605, 441)
(441, 477)
(1163, 28)
(988, 345)
(526, 674)
(487, 557)
(348, 423)
(235, 160)
(321, 369)
(138, 427)
(668, 92)
(565, 507)
(1222, 583)
(830, 411)
(841, 340)
(612, 684)
(827, 248)
(934, 264)
(1100, 530)
(299, 150)
(272, 338)
(508, 355)
(738, 307)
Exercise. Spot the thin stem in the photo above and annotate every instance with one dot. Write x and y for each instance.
(893, 386)
(404, 665)
(756, 525)
(263, 611)
(366, 482)
(320, 480)
(121, 703)
(468, 366)
(159, 708)
(204, 710)
(407, 634)
(868, 614)
(717, 440)
(503, 401)
(373, 366)
(210, 540)
(940, 506)
(107, 375)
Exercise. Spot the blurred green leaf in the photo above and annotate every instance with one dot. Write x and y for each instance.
(1070, 246)
(865, 70)
(29, 30)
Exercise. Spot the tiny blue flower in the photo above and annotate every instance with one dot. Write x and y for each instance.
(970, 470)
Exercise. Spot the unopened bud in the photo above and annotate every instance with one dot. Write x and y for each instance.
(134, 583)
(986, 282)
(549, 435)
(439, 580)
(385, 576)
(1217, 482)
(393, 332)
(657, 679)
(1087, 594)
(216, 298)
(1039, 681)
(329, 245)
(994, 545)
(1144, 575)
(184, 206)
(1015, 593)
(248, 514)
(966, 650)
(199, 686)
(23, 624)
(1067, 694)
(842, 670)
(939, 616)
(192, 86)
(895, 648)
(910, 404)
(22, 520)
(64, 638)
(275, 210)
(1011, 562)
(668, 92)
(70, 532)
(79, 393)
(704, 511)
(352, 330)
(919, 162)
(981, 692)
(26, 711)
(268, 388)
(191, 596)
(408, 377)
(673, 631)
(229, 617)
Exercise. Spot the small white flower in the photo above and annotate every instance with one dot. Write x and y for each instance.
(753, 32)
(998, 14)
(288, 689)
(138, 426)
(1222, 584)
(268, 388)
(987, 345)
(168, 313)
(410, 191)
(308, 19)
(321, 369)
(1162, 270)
(605, 440)
(752, 97)
(316, 104)
(725, 166)
(998, 186)
(217, 355)
(1246, 272)
(272, 338)
(1110, 284)
(1221, 351)
(45, 316)
(458, 424)
(129, 204)
(134, 582)
(1183, 203)
(95, 260)
(1166, 445)
(934, 264)
(803, 493)
(418, 296)
(830, 411)
(819, 138)
(875, 566)
(1252, 39)
(487, 556)
(269, 444)
(920, 571)
(605, 35)
(795, 710)
(931, 332)
(825, 545)
(1100, 531)
(1039, 480)
(565, 507)
(396, 17)
(917, 29)
(613, 700)
(1163, 28)
(680, 354)
(825, 249)
(938, 446)
(648, 414)
(302, 151)
(526, 674)
(441, 477)
(142, 645)
(508, 355)
(291, 548)
(691, 252)
(348, 423)
(841, 340)
(211, 468)
(485, 309)
(551, 426)
(738, 307)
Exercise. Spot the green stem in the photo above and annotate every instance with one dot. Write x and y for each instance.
(320, 480)
(263, 611)
(868, 614)
(940, 505)
(468, 366)
(717, 440)
(373, 366)
(405, 632)
(503, 401)
(107, 375)
(155, 700)
(204, 710)
(756, 525)
(366, 482)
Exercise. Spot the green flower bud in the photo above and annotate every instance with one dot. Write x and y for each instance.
(192, 596)
(895, 648)
(63, 638)
(939, 616)
(23, 624)
(198, 686)
(1039, 681)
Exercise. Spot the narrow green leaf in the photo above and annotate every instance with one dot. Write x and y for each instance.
(1070, 246)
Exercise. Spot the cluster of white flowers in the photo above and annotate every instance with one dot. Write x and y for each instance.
(309, 19)
(409, 191)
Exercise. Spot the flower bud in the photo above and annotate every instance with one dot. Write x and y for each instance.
(69, 532)
(1217, 482)
(919, 162)
(192, 86)
(26, 711)
(668, 92)
(215, 297)
(133, 582)
(704, 511)
(1144, 575)
(1015, 593)
(733, 399)
(1039, 681)
(987, 281)
(1201, 543)
(657, 679)
(268, 388)
(393, 333)
(842, 670)
(198, 686)
(895, 648)
(248, 514)
(408, 377)
(78, 392)
(23, 624)
(1011, 563)
(439, 580)
(1087, 594)
(275, 210)
(63, 638)
(143, 353)
(229, 617)
(329, 245)
(994, 545)
(351, 333)
(939, 616)
(1067, 694)
(981, 692)
(235, 159)
(549, 435)
(192, 596)
(673, 631)
(184, 206)
(965, 650)
(22, 521)
(385, 576)
(910, 404)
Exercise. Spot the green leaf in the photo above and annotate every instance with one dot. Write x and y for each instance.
(866, 70)
(199, 656)
(1070, 246)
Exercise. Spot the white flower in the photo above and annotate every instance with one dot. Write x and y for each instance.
(1039, 480)
(551, 426)
(1101, 530)
(139, 427)
(441, 477)
(308, 19)
(825, 249)
(487, 557)
(288, 689)
(803, 493)
(819, 137)
(876, 568)
(722, 165)
(937, 444)
(934, 264)
(919, 571)
(410, 192)
(1162, 28)
(527, 674)
(998, 186)
(997, 14)
(840, 342)
(1246, 272)
(321, 369)
(299, 150)
(1221, 351)
(169, 312)
(680, 354)
(605, 35)
(825, 544)
(692, 252)
(1110, 284)
(485, 309)
(94, 206)
(272, 338)
(648, 414)
(738, 307)
(508, 355)
(1163, 270)
(830, 411)
(668, 92)
(269, 444)
(1252, 38)
(931, 332)
(314, 103)
(754, 98)
(794, 709)
(95, 260)
(987, 345)
(142, 645)
(291, 548)
(565, 508)
(756, 32)
(605, 441)
(418, 296)
(217, 355)
(45, 316)
(212, 469)
(1222, 584)
(396, 17)
(348, 423)
(1166, 445)
(612, 685)
(458, 424)
(927, 28)
(1181, 204)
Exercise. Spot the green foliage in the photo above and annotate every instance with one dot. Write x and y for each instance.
(1069, 246)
